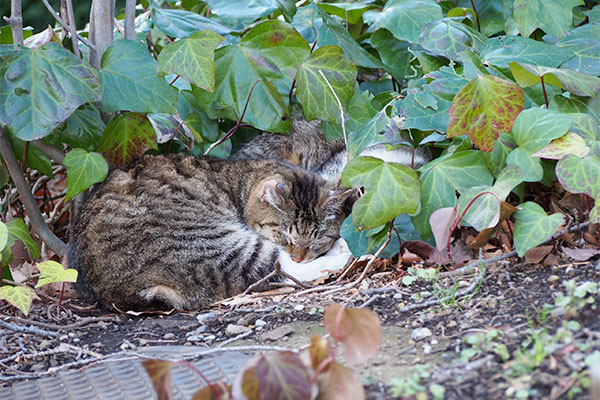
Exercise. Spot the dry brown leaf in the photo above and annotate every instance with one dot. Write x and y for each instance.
(537, 254)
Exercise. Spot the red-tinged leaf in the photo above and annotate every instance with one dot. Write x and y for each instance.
(580, 254)
(340, 383)
(281, 375)
(160, 374)
(441, 222)
(126, 137)
(571, 143)
(217, 392)
(359, 330)
(484, 108)
(319, 350)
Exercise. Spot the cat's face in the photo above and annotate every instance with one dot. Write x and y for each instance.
(303, 217)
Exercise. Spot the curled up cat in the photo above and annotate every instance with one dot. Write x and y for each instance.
(182, 232)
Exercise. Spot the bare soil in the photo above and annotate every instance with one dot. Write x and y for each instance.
(510, 299)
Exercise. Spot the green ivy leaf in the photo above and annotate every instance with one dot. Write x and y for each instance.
(18, 230)
(51, 272)
(571, 143)
(130, 81)
(83, 170)
(313, 92)
(535, 128)
(485, 107)
(192, 59)
(443, 177)
(584, 42)
(3, 236)
(240, 9)
(332, 32)
(83, 129)
(579, 175)
(448, 37)
(41, 88)
(500, 51)
(577, 104)
(19, 296)
(580, 84)
(373, 132)
(394, 54)
(390, 189)
(585, 125)
(353, 12)
(126, 137)
(182, 24)
(531, 166)
(404, 18)
(553, 17)
(533, 226)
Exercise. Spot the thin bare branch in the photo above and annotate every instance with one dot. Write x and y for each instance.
(50, 151)
(16, 21)
(101, 28)
(35, 216)
(72, 28)
(66, 26)
(130, 19)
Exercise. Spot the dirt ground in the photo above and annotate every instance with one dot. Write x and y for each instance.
(546, 353)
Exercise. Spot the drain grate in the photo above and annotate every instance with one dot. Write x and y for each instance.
(126, 379)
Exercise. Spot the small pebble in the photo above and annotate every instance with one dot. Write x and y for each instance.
(209, 338)
(45, 344)
(260, 323)
(98, 345)
(299, 307)
(194, 338)
(434, 342)
(426, 349)
(206, 317)
(398, 296)
(553, 278)
(420, 334)
(234, 330)
(169, 336)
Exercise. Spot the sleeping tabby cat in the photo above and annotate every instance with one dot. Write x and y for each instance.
(182, 232)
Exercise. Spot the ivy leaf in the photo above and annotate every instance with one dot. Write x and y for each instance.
(83, 170)
(359, 330)
(18, 230)
(340, 383)
(240, 9)
(160, 374)
(531, 166)
(281, 375)
(448, 37)
(577, 104)
(390, 189)
(35, 157)
(485, 107)
(553, 17)
(182, 24)
(394, 54)
(500, 51)
(580, 84)
(51, 271)
(3, 236)
(19, 296)
(130, 81)
(319, 350)
(579, 175)
(585, 125)
(126, 137)
(584, 42)
(533, 226)
(216, 392)
(373, 132)
(353, 12)
(313, 92)
(571, 143)
(83, 129)
(535, 128)
(192, 59)
(443, 177)
(414, 15)
(332, 32)
(41, 88)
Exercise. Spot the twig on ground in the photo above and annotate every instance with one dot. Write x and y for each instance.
(296, 281)
(261, 281)
(347, 270)
(77, 324)
(66, 26)
(235, 338)
(370, 301)
(373, 258)
(27, 329)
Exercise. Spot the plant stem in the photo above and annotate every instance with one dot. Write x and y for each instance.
(101, 28)
(544, 90)
(35, 216)
(130, 19)
(476, 16)
(16, 21)
(72, 28)
(65, 25)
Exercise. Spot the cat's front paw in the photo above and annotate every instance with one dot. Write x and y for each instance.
(334, 260)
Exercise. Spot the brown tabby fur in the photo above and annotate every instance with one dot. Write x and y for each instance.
(182, 232)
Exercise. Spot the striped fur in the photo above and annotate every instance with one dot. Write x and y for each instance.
(182, 232)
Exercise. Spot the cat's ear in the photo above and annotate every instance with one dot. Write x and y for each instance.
(340, 197)
(274, 192)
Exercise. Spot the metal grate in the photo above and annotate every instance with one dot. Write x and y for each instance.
(126, 379)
